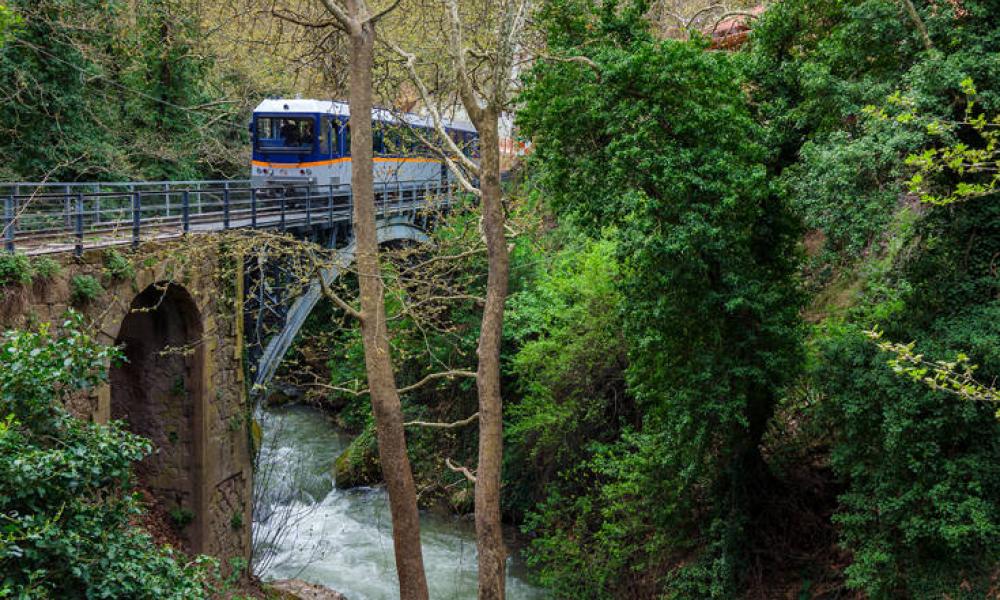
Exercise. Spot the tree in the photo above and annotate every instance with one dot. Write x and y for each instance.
(656, 140)
(485, 98)
(358, 22)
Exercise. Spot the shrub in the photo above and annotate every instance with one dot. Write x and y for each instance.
(15, 269)
(45, 267)
(920, 513)
(181, 517)
(117, 266)
(84, 289)
(65, 484)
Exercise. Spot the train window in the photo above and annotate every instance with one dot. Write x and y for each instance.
(328, 136)
(395, 144)
(378, 141)
(324, 135)
(346, 134)
(285, 133)
(410, 143)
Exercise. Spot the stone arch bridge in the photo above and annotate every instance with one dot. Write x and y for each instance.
(196, 342)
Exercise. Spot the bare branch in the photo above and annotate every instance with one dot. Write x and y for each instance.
(460, 469)
(287, 16)
(410, 63)
(687, 23)
(443, 257)
(434, 377)
(350, 25)
(734, 13)
(918, 23)
(336, 299)
(456, 44)
(435, 425)
(377, 16)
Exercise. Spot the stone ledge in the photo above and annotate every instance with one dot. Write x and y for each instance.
(296, 589)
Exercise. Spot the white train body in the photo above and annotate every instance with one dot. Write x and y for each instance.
(305, 144)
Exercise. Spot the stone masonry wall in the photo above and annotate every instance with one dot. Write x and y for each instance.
(222, 466)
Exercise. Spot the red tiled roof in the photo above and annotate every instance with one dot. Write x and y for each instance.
(732, 32)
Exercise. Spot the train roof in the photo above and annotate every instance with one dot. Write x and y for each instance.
(333, 107)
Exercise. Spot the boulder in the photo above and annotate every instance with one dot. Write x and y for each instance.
(296, 589)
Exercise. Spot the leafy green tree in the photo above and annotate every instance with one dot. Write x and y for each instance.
(110, 90)
(567, 368)
(65, 484)
(54, 119)
(657, 140)
(816, 65)
(9, 21)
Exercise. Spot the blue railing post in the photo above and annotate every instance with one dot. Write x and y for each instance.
(309, 206)
(329, 205)
(186, 210)
(8, 223)
(225, 207)
(67, 198)
(281, 208)
(136, 217)
(253, 208)
(79, 224)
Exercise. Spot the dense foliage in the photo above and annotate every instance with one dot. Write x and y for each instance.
(919, 512)
(90, 94)
(657, 141)
(668, 433)
(65, 484)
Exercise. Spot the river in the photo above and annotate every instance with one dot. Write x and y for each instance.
(306, 528)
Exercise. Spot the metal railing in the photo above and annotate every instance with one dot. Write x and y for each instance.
(53, 217)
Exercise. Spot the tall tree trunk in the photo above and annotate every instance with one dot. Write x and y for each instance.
(378, 362)
(489, 535)
(918, 23)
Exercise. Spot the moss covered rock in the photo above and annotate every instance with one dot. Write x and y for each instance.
(358, 465)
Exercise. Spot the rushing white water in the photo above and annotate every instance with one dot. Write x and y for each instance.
(306, 528)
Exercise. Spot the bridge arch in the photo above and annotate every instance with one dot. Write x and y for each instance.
(159, 393)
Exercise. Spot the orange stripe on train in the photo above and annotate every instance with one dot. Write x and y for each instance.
(382, 159)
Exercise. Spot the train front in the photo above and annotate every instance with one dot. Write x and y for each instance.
(287, 150)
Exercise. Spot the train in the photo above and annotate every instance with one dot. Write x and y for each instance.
(303, 144)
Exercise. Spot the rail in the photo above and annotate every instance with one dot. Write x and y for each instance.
(59, 217)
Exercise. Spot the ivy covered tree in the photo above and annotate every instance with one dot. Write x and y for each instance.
(110, 90)
(655, 140)
(50, 123)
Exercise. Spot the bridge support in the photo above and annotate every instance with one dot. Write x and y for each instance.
(182, 388)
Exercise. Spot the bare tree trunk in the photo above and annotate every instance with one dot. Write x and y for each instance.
(378, 362)
(489, 534)
(911, 10)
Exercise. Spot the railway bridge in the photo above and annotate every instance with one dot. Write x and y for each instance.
(198, 335)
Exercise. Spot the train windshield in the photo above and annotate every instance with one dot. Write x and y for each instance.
(285, 133)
